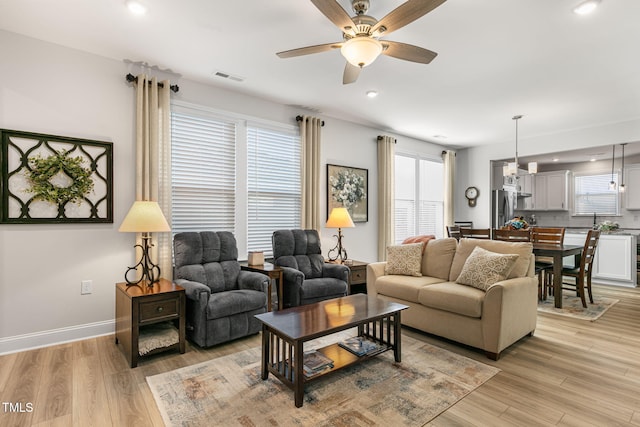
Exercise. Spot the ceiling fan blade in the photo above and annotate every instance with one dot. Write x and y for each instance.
(336, 14)
(309, 50)
(408, 52)
(403, 15)
(351, 73)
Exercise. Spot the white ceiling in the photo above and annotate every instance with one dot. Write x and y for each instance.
(497, 58)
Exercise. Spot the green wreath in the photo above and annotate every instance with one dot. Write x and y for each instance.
(42, 169)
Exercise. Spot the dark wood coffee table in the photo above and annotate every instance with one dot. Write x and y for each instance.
(285, 332)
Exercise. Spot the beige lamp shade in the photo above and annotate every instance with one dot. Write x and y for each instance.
(339, 218)
(144, 217)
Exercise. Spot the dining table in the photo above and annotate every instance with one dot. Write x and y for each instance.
(557, 252)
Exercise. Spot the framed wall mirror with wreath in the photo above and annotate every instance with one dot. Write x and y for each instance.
(54, 179)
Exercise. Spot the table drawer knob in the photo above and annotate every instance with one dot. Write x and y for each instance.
(159, 310)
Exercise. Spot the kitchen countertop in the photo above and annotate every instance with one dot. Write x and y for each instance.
(620, 232)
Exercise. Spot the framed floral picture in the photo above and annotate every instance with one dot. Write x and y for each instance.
(348, 187)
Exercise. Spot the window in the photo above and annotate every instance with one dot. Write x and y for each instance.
(230, 174)
(419, 192)
(273, 177)
(592, 195)
(203, 173)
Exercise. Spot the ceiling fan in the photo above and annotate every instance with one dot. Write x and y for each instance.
(361, 34)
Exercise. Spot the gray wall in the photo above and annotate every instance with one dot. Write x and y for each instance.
(50, 89)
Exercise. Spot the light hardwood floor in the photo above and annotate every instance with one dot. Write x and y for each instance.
(570, 373)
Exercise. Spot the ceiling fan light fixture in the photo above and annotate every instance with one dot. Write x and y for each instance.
(361, 51)
(586, 7)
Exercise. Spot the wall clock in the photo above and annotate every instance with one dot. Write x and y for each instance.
(471, 193)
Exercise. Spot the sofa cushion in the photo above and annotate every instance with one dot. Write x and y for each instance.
(454, 298)
(483, 268)
(423, 238)
(403, 287)
(404, 259)
(466, 246)
(438, 256)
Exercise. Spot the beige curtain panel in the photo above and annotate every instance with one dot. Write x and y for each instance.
(310, 138)
(386, 183)
(153, 159)
(449, 159)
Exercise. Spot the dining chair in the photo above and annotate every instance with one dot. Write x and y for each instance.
(453, 231)
(550, 235)
(582, 273)
(475, 233)
(511, 235)
(544, 265)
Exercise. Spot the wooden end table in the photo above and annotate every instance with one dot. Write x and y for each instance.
(138, 306)
(357, 273)
(274, 272)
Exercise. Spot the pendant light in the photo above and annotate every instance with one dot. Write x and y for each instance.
(622, 186)
(511, 168)
(612, 183)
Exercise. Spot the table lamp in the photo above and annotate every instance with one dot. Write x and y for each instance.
(339, 218)
(144, 217)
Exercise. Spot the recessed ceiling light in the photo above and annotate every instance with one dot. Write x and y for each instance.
(372, 93)
(586, 7)
(440, 136)
(593, 159)
(555, 159)
(136, 7)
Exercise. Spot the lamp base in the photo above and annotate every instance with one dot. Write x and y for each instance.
(150, 271)
(339, 252)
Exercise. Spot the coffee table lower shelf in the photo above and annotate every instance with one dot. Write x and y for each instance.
(280, 350)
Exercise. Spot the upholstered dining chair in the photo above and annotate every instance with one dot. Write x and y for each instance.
(307, 277)
(475, 233)
(222, 299)
(582, 273)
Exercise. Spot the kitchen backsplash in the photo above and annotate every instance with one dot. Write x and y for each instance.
(630, 220)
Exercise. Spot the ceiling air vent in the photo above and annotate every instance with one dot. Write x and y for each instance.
(224, 75)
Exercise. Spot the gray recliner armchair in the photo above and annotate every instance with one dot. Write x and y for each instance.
(307, 278)
(222, 299)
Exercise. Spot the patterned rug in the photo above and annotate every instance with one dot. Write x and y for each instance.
(228, 391)
(572, 306)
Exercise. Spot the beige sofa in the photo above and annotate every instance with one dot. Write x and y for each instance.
(491, 320)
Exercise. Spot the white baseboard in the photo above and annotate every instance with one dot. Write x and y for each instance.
(55, 336)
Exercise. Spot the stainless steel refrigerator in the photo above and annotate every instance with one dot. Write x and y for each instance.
(503, 205)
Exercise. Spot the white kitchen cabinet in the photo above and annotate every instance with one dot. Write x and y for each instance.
(550, 191)
(632, 190)
(526, 187)
(615, 259)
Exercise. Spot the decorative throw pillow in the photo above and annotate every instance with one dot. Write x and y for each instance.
(483, 268)
(405, 260)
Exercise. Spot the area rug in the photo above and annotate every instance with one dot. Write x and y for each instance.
(572, 306)
(228, 391)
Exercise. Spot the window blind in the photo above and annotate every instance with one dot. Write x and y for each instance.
(419, 192)
(273, 184)
(592, 195)
(203, 168)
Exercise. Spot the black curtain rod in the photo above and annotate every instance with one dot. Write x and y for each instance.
(131, 78)
(299, 119)
(395, 141)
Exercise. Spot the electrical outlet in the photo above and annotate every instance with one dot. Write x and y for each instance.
(86, 287)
